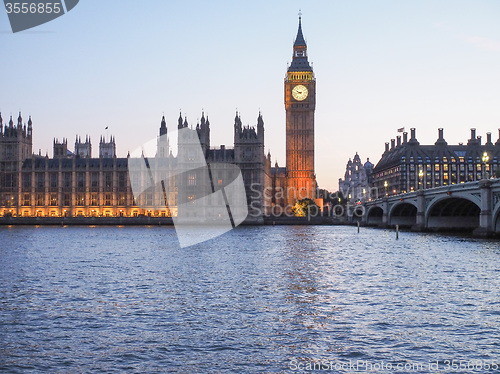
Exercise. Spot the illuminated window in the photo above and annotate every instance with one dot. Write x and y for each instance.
(192, 180)
(80, 199)
(108, 179)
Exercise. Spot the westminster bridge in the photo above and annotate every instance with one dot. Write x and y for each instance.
(467, 206)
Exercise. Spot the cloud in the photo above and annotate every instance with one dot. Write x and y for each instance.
(484, 43)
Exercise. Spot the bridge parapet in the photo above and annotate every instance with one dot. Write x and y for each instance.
(460, 206)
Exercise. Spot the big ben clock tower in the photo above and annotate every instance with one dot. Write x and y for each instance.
(300, 103)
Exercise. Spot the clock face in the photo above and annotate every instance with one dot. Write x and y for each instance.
(299, 92)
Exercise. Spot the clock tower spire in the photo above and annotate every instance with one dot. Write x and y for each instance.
(300, 104)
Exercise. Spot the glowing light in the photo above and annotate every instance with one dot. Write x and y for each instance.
(486, 158)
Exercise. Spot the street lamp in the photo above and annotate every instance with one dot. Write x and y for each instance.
(385, 185)
(421, 178)
(485, 159)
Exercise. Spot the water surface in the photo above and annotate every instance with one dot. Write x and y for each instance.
(256, 300)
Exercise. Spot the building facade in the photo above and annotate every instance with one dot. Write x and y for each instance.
(406, 165)
(357, 183)
(72, 184)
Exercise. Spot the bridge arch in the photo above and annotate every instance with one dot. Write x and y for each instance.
(403, 213)
(374, 215)
(496, 218)
(457, 211)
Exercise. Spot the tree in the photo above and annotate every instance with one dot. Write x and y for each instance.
(305, 207)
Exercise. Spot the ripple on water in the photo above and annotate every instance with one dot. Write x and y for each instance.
(129, 299)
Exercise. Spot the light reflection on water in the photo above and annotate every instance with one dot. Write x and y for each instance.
(128, 298)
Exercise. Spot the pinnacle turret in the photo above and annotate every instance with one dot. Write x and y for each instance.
(299, 58)
(299, 40)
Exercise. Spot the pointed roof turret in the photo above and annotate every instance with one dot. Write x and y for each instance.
(163, 126)
(299, 58)
(179, 121)
(299, 40)
(260, 120)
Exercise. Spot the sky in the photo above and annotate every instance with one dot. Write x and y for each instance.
(379, 66)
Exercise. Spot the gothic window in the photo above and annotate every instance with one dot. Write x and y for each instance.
(95, 179)
(40, 180)
(67, 180)
(53, 199)
(122, 180)
(121, 199)
(81, 180)
(108, 176)
(53, 180)
(192, 179)
(27, 180)
(80, 199)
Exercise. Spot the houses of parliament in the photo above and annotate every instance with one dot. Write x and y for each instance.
(75, 183)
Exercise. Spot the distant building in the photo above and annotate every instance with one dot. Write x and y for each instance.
(406, 165)
(355, 187)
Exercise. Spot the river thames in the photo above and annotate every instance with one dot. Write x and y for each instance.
(255, 300)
